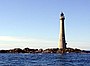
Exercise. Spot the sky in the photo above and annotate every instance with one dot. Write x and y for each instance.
(35, 23)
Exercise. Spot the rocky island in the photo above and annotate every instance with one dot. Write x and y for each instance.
(52, 50)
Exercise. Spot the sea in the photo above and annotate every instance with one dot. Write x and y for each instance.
(44, 59)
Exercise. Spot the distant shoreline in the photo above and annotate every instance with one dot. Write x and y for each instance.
(49, 50)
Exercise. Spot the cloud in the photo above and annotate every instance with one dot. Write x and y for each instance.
(8, 38)
(24, 39)
(22, 42)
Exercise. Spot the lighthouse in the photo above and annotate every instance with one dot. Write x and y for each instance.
(62, 42)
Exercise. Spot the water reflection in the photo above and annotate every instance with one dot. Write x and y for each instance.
(64, 60)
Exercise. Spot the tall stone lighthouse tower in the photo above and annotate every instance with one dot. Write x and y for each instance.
(62, 43)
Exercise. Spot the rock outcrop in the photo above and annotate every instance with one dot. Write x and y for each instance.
(52, 50)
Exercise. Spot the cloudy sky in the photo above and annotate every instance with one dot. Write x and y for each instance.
(35, 23)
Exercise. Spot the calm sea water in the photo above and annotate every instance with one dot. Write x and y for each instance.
(41, 59)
